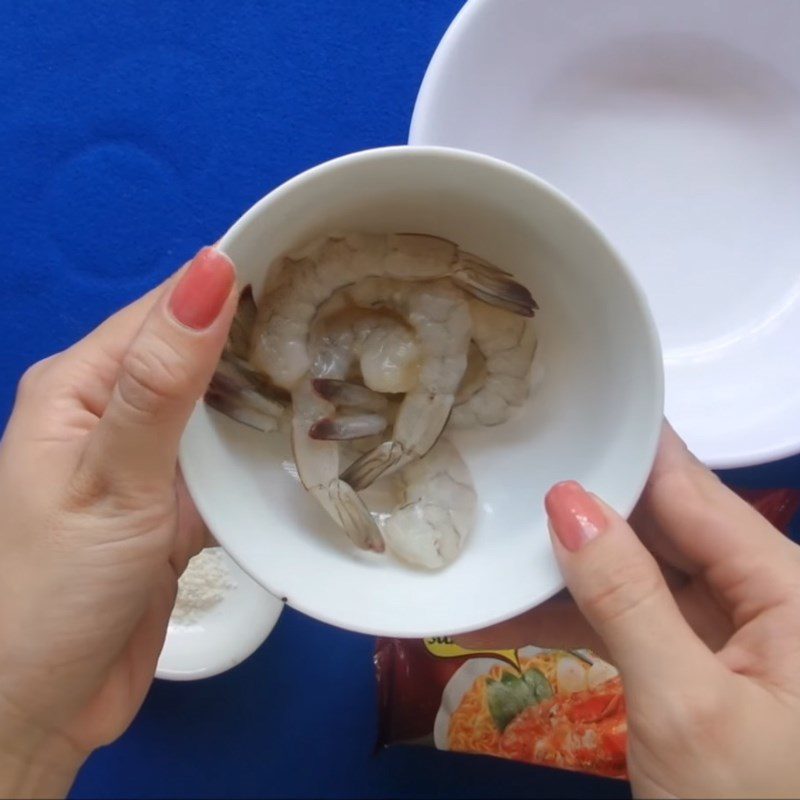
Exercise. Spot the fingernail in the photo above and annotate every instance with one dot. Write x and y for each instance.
(575, 516)
(203, 289)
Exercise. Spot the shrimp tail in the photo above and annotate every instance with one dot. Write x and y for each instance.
(346, 428)
(419, 424)
(318, 469)
(246, 396)
(493, 286)
(343, 504)
(235, 372)
(386, 457)
(244, 410)
(349, 395)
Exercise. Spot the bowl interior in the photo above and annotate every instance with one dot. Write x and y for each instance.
(676, 128)
(593, 415)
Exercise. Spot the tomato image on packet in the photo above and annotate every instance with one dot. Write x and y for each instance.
(554, 708)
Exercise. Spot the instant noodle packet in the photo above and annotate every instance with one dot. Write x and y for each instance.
(554, 708)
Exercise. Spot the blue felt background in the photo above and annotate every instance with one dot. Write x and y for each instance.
(131, 134)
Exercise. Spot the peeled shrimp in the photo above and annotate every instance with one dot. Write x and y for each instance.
(383, 344)
(392, 310)
(335, 341)
(318, 468)
(437, 509)
(249, 397)
(311, 275)
(388, 357)
(506, 344)
(439, 315)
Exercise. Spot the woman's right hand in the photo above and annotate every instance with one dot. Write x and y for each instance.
(700, 613)
(97, 524)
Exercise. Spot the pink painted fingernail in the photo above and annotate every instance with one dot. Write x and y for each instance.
(203, 289)
(575, 516)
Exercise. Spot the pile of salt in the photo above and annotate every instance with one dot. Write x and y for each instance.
(205, 583)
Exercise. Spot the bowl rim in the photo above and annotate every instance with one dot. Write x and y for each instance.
(655, 359)
(437, 65)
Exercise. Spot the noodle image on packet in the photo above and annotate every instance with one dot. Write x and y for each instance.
(552, 707)
(549, 707)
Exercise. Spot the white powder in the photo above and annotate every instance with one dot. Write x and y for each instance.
(205, 583)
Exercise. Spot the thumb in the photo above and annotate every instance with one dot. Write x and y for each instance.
(165, 370)
(619, 587)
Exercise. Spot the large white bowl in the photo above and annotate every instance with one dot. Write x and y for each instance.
(676, 126)
(594, 414)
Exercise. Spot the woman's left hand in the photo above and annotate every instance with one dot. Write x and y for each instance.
(96, 524)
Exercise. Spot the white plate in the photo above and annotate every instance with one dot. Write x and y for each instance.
(676, 125)
(222, 637)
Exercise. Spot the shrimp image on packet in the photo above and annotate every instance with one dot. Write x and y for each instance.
(548, 707)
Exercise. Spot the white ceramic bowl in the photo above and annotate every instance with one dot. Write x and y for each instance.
(594, 414)
(675, 125)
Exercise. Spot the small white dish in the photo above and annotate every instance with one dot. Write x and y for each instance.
(224, 635)
(676, 126)
(594, 415)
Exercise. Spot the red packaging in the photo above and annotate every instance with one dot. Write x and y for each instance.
(556, 708)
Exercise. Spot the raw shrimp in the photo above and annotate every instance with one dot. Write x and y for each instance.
(236, 389)
(248, 397)
(507, 343)
(437, 509)
(309, 276)
(439, 315)
(336, 339)
(384, 345)
(316, 432)
(388, 356)
(318, 468)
